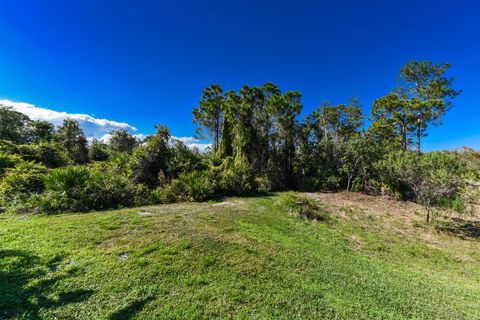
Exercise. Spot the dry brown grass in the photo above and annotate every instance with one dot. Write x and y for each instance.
(394, 221)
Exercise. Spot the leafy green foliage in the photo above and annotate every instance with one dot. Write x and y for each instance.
(430, 178)
(13, 125)
(67, 180)
(21, 181)
(183, 159)
(234, 176)
(148, 160)
(8, 160)
(49, 154)
(98, 151)
(197, 185)
(121, 141)
(83, 189)
(163, 195)
(209, 113)
(74, 141)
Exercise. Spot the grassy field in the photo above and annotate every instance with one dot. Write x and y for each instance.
(240, 258)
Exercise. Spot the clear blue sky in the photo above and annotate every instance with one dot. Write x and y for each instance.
(146, 62)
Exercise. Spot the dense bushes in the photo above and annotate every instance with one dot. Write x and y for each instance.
(197, 185)
(20, 184)
(436, 178)
(84, 188)
(8, 161)
(23, 179)
(49, 154)
(234, 176)
(149, 160)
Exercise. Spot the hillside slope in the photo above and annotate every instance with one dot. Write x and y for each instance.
(241, 258)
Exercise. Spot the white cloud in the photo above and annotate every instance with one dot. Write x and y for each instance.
(107, 136)
(93, 127)
(140, 136)
(192, 143)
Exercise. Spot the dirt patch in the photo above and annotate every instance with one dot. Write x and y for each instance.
(223, 203)
(356, 242)
(351, 204)
(387, 216)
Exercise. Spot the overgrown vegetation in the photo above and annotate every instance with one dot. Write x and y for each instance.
(258, 144)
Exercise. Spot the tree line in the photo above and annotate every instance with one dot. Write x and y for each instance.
(259, 144)
(329, 148)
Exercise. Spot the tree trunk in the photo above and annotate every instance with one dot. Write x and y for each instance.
(349, 179)
(404, 136)
(419, 135)
(217, 133)
(428, 215)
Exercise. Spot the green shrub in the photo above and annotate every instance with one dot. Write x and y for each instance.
(304, 207)
(68, 179)
(150, 158)
(288, 201)
(106, 190)
(84, 189)
(430, 179)
(163, 195)
(66, 190)
(456, 203)
(262, 184)
(309, 184)
(235, 176)
(98, 151)
(312, 210)
(20, 183)
(49, 154)
(8, 161)
(196, 185)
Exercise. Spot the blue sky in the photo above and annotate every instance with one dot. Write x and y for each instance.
(146, 62)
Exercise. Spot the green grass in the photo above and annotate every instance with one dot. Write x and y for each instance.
(247, 258)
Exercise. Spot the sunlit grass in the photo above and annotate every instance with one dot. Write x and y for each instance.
(243, 258)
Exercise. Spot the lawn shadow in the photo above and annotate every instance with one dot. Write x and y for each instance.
(462, 228)
(254, 194)
(131, 309)
(260, 194)
(27, 285)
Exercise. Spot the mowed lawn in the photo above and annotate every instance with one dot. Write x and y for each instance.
(241, 258)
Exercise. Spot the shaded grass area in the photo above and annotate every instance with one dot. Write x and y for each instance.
(241, 258)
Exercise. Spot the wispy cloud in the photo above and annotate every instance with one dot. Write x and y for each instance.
(93, 127)
(192, 143)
